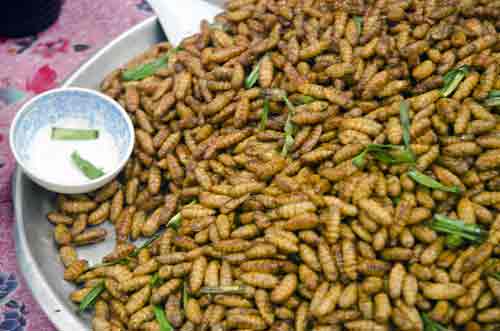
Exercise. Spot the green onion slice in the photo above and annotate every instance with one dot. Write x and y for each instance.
(404, 113)
(430, 325)
(148, 69)
(359, 160)
(471, 232)
(289, 127)
(73, 134)
(494, 94)
(91, 297)
(161, 318)
(452, 79)
(389, 154)
(156, 280)
(454, 240)
(431, 182)
(253, 77)
(176, 220)
(88, 169)
(146, 244)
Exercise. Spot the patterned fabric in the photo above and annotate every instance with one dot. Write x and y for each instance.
(29, 66)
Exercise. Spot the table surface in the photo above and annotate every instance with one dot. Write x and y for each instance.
(30, 66)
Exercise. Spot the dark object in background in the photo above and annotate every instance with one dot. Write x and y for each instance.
(20, 18)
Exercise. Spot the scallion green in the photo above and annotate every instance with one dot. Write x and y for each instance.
(73, 134)
(88, 169)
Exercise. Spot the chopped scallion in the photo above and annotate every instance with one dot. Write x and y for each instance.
(289, 127)
(404, 113)
(91, 297)
(161, 318)
(148, 69)
(431, 182)
(253, 77)
(452, 79)
(458, 228)
(88, 169)
(74, 134)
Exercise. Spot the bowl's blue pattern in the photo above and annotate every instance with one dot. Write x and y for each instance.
(51, 108)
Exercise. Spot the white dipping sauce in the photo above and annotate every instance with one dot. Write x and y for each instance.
(51, 159)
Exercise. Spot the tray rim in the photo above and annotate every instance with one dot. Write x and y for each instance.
(28, 265)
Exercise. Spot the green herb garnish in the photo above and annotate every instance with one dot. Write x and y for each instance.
(359, 160)
(404, 114)
(264, 115)
(147, 69)
(359, 23)
(253, 77)
(470, 232)
(91, 297)
(161, 318)
(431, 182)
(156, 280)
(88, 169)
(452, 79)
(389, 154)
(454, 240)
(289, 127)
(430, 325)
(73, 134)
(146, 244)
(223, 290)
(176, 220)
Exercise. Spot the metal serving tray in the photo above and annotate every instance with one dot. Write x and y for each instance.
(37, 253)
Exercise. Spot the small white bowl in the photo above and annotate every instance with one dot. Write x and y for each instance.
(55, 105)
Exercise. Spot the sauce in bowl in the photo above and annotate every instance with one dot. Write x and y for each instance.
(51, 158)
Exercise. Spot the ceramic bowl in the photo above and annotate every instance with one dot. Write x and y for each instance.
(75, 103)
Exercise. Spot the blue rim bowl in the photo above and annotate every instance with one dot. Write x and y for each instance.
(54, 105)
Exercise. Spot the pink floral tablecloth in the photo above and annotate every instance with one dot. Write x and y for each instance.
(29, 66)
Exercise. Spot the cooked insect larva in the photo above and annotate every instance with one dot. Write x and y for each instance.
(285, 289)
(138, 300)
(68, 255)
(75, 269)
(62, 235)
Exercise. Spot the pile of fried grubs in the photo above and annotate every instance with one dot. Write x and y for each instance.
(303, 165)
